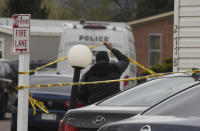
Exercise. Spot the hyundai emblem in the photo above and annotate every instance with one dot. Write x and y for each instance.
(99, 120)
(146, 128)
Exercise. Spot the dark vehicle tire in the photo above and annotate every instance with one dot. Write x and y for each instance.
(2, 108)
(2, 114)
(13, 128)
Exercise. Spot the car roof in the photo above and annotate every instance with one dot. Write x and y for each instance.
(52, 75)
(43, 79)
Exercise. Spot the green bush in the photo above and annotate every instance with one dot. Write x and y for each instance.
(167, 66)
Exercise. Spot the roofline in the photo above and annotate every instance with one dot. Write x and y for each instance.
(45, 34)
(9, 32)
(140, 21)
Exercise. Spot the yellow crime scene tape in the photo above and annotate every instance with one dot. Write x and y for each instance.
(35, 103)
(133, 61)
(141, 66)
(107, 81)
(91, 83)
(41, 105)
(91, 47)
(39, 68)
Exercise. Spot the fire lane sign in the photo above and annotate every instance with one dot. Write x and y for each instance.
(21, 34)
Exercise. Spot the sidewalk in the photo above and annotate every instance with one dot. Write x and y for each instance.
(5, 124)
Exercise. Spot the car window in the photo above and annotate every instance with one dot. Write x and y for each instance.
(13, 71)
(151, 92)
(185, 104)
(38, 80)
(2, 70)
(7, 68)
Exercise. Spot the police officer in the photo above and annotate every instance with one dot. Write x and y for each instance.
(103, 70)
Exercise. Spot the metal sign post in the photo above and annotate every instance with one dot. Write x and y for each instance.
(20, 45)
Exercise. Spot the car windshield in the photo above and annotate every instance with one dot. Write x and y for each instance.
(38, 80)
(151, 92)
(184, 104)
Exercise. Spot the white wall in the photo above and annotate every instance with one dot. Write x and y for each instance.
(186, 35)
(41, 47)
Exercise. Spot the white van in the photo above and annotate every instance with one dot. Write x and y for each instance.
(91, 33)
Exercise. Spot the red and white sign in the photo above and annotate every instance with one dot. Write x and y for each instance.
(21, 34)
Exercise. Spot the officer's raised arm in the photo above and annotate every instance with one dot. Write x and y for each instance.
(122, 59)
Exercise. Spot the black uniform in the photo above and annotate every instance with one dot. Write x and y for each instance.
(102, 71)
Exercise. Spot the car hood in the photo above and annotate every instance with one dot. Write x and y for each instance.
(154, 123)
(95, 116)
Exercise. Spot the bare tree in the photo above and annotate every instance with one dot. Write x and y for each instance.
(151, 7)
(125, 10)
(87, 9)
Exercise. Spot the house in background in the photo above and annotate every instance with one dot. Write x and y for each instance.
(153, 38)
(45, 38)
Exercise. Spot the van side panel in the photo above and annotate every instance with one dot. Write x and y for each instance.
(120, 37)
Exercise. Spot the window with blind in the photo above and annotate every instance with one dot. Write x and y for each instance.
(154, 49)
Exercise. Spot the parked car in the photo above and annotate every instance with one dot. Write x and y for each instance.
(178, 113)
(125, 104)
(8, 84)
(55, 99)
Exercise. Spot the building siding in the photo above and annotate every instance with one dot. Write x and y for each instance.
(7, 47)
(44, 48)
(163, 27)
(41, 47)
(187, 21)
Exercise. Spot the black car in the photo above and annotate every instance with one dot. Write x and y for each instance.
(125, 104)
(55, 99)
(8, 84)
(179, 112)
